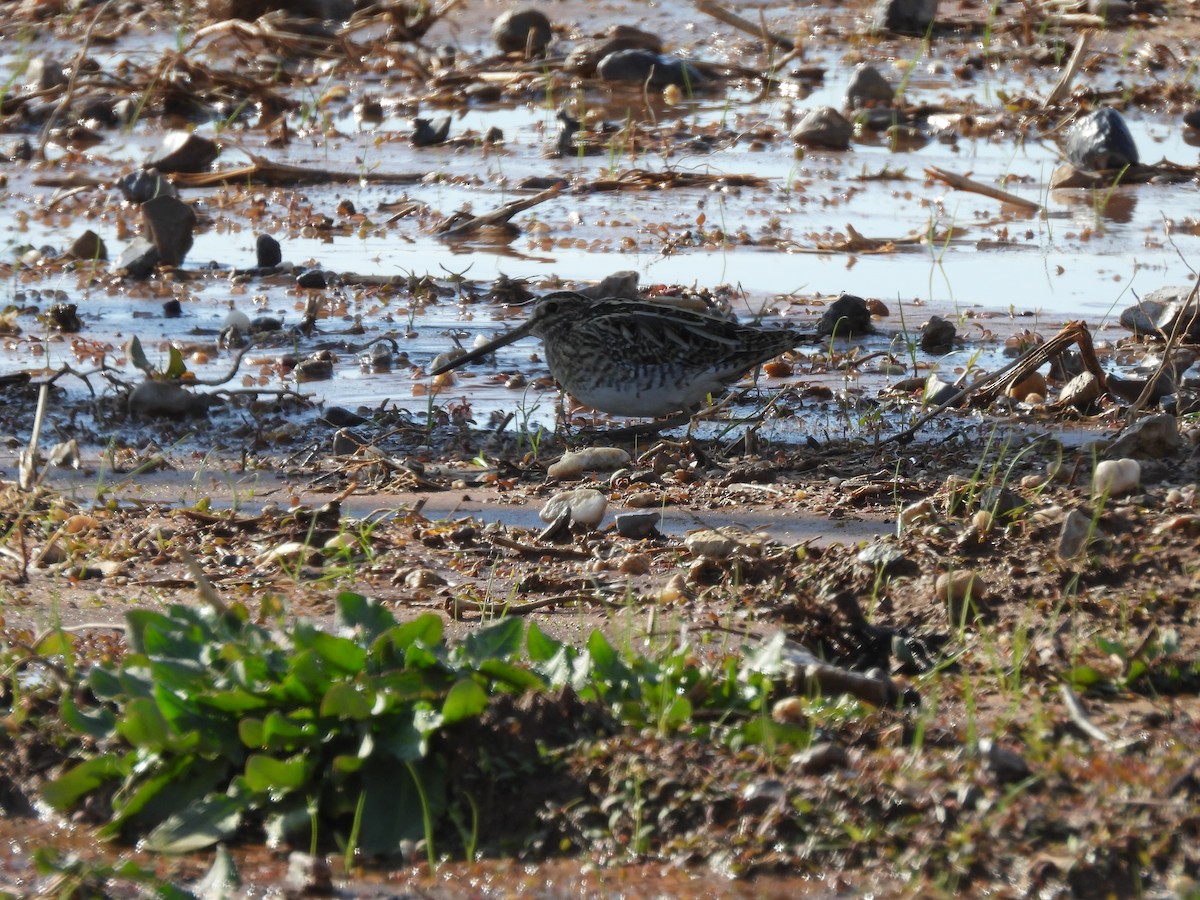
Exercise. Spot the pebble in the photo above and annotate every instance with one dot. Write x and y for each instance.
(916, 514)
(637, 526)
(634, 564)
(823, 127)
(1101, 141)
(268, 253)
(1116, 477)
(867, 87)
(823, 756)
(1074, 535)
(586, 505)
(956, 586)
(574, 463)
(523, 29)
(675, 590)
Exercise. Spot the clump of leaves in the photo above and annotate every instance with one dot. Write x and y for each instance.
(212, 724)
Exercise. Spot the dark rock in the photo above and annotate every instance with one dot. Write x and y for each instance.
(1074, 535)
(1153, 437)
(637, 526)
(184, 151)
(169, 224)
(1158, 312)
(1005, 765)
(346, 443)
(1003, 503)
(64, 317)
(821, 757)
(1191, 119)
(165, 400)
(1111, 11)
(338, 417)
(1101, 141)
(846, 316)
(522, 31)
(583, 59)
(645, 67)
(267, 251)
(172, 309)
(145, 184)
(937, 335)
(42, 74)
(823, 127)
(312, 278)
(316, 367)
(1129, 388)
(89, 246)
(564, 140)
(19, 150)
(938, 392)
(1081, 392)
(138, 259)
(618, 284)
(867, 88)
(426, 134)
(905, 16)
(265, 325)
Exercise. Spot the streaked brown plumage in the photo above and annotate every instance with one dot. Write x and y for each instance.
(636, 358)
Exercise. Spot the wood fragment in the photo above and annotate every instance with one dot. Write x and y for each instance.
(729, 18)
(461, 224)
(264, 171)
(1062, 87)
(962, 183)
(1079, 717)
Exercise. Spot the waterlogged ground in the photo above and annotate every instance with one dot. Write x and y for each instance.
(1039, 737)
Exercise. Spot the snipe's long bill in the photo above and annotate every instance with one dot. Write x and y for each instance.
(635, 358)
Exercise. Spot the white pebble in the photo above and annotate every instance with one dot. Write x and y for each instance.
(587, 507)
(1116, 477)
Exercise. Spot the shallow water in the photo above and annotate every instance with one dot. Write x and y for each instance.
(1087, 255)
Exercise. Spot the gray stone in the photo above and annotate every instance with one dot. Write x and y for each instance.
(89, 246)
(637, 526)
(585, 57)
(645, 67)
(138, 259)
(1151, 437)
(823, 127)
(1101, 141)
(867, 88)
(145, 184)
(1158, 312)
(184, 151)
(1074, 535)
(846, 316)
(937, 335)
(1081, 392)
(905, 16)
(521, 30)
(169, 223)
(267, 251)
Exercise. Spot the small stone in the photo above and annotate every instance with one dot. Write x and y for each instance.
(824, 128)
(423, 578)
(847, 316)
(905, 16)
(1152, 437)
(267, 251)
(937, 335)
(955, 587)
(1074, 535)
(169, 223)
(886, 559)
(313, 279)
(138, 259)
(867, 87)
(821, 757)
(654, 69)
(145, 184)
(574, 463)
(1101, 141)
(523, 30)
(675, 590)
(637, 526)
(1116, 477)
(89, 246)
(584, 57)
(429, 134)
(184, 151)
(586, 505)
